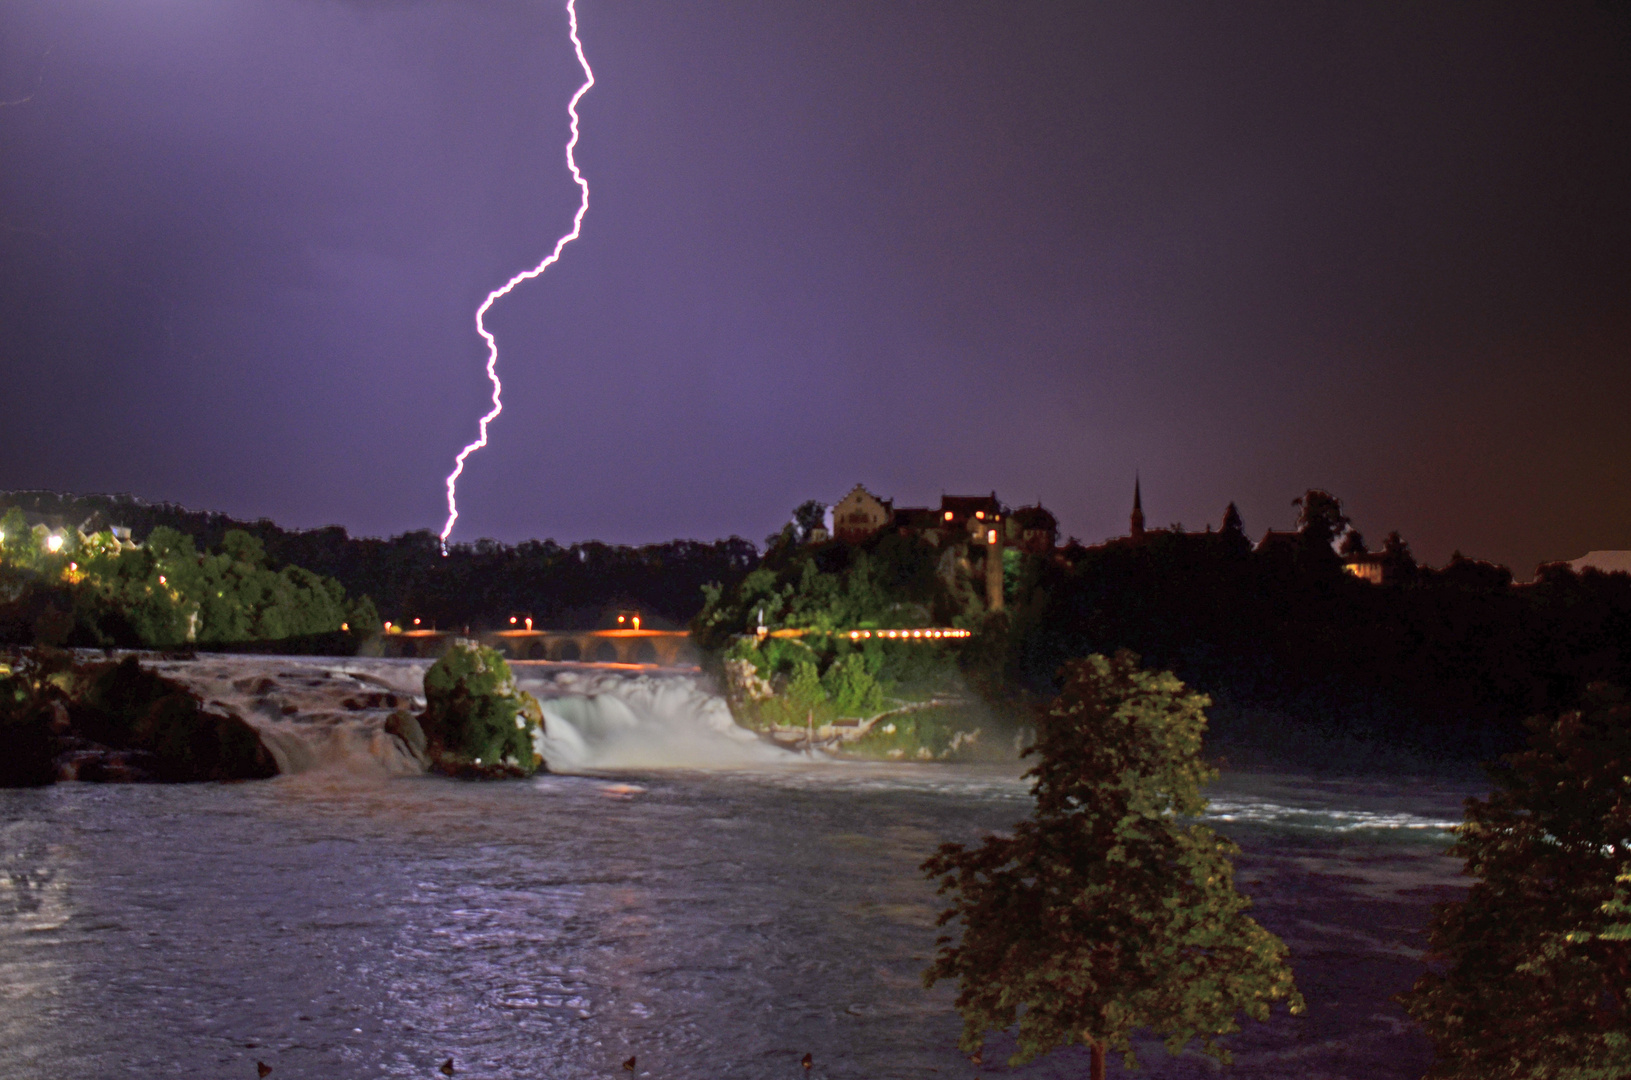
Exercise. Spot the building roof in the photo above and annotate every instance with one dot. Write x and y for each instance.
(1277, 539)
(861, 489)
(966, 506)
(1035, 517)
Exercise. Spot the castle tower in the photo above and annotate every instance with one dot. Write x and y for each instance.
(1138, 509)
(993, 564)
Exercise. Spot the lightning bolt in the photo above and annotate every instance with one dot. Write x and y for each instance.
(525, 275)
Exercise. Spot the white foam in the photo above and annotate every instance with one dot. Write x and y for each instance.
(597, 720)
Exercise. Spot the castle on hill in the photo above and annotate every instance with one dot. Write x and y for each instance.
(974, 519)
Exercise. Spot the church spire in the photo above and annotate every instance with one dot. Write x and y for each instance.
(1138, 508)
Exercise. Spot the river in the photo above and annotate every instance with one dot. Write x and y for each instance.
(710, 923)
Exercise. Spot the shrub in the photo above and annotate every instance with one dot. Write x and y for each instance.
(476, 720)
(852, 688)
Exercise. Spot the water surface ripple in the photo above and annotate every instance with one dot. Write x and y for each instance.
(714, 925)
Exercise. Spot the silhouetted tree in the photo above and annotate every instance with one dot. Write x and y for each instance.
(1353, 543)
(1536, 975)
(1110, 909)
(1394, 547)
(1474, 574)
(807, 518)
(1320, 519)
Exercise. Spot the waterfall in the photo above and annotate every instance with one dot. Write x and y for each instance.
(321, 714)
(619, 720)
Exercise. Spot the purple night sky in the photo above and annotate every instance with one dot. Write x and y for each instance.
(1245, 249)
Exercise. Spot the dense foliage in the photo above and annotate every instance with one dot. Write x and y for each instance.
(479, 585)
(807, 597)
(1533, 968)
(476, 720)
(1448, 661)
(166, 592)
(1110, 909)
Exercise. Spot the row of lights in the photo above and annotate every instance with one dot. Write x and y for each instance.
(918, 635)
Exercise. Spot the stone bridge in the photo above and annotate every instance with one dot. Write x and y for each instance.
(668, 648)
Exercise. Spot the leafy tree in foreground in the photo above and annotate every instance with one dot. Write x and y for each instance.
(1534, 966)
(1110, 909)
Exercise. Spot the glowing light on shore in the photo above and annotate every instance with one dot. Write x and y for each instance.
(525, 275)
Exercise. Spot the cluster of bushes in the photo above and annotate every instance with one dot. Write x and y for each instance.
(477, 722)
(95, 590)
(62, 719)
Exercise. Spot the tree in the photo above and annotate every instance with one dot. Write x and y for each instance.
(1532, 971)
(1353, 543)
(1320, 519)
(477, 721)
(1398, 564)
(807, 518)
(1110, 909)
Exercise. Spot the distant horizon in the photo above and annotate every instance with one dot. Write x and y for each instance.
(1373, 541)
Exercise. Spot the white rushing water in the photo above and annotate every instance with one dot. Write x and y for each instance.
(600, 720)
(329, 714)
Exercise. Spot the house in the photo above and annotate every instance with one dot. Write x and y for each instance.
(1368, 566)
(860, 514)
(1033, 529)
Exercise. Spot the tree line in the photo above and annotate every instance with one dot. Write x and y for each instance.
(478, 585)
(1451, 659)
